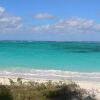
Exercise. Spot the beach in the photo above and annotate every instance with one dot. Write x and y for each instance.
(56, 61)
(50, 42)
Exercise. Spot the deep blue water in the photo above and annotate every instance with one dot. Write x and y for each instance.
(70, 56)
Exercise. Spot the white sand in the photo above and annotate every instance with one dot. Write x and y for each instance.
(91, 87)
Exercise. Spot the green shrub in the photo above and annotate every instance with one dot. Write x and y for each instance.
(5, 93)
(43, 91)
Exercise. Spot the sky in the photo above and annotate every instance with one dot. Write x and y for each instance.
(50, 20)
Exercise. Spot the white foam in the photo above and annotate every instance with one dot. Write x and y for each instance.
(51, 74)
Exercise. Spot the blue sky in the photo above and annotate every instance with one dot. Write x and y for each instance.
(50, 20)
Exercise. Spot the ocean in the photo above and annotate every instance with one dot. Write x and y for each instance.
(50, 59)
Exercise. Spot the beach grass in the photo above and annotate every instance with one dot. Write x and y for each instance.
(49, 90)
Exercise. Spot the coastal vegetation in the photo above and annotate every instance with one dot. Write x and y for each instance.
(43, 91)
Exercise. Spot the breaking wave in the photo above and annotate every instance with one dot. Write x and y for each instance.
(50, 74)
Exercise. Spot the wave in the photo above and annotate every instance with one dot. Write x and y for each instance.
(51, 74)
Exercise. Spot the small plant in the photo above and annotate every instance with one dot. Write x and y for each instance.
(19, 81)
(11, 82)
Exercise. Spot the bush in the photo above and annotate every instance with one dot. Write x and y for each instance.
(43, 91)
(5, 93)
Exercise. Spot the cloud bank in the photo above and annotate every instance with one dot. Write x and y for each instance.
(13, 24)
(9, 23)
(71, 25)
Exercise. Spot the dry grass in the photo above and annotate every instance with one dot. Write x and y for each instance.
(43, 91)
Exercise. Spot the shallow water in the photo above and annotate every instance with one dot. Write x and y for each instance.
(50, 60)
(70, 56)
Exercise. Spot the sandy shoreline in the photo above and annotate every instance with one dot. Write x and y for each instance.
(90, 86)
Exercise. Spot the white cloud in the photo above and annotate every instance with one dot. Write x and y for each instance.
(43, 16)
(2, 9)
(71, 25)
(9, 23)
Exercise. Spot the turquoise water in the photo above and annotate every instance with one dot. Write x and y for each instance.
(69, 56)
